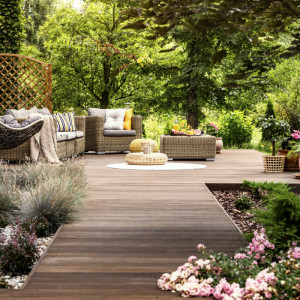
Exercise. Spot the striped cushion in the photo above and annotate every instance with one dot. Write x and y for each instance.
(65, 122)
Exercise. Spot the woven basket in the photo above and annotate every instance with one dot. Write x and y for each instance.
(274, 164)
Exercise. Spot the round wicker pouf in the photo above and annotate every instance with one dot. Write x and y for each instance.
(146, 159)
(135, 145)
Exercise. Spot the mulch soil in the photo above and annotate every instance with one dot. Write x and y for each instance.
(243, 218)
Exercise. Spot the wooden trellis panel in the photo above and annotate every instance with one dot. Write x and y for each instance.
(24, 82)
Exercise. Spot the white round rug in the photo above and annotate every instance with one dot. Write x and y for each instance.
(167, 166)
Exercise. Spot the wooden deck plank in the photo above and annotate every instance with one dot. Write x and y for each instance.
(136, 225)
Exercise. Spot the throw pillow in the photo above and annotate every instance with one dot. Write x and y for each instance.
(97, 112)
(114, 119)
(65, 122)
(127, 121)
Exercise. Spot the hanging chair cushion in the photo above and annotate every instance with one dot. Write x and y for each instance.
(10, 121)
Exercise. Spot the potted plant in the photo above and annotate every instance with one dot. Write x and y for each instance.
(292, 157)
(273, 130)
(295, 151)
(213, 129)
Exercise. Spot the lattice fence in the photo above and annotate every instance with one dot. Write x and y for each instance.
(24, 82)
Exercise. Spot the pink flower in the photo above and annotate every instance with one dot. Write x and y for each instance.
(200, 247)
(192, 258)
(240, 255)
(296, 252)
(296, 134)
(214, 125)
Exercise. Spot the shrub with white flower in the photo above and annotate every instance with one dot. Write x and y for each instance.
(255, 272)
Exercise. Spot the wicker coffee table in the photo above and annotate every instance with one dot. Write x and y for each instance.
(188, 147)
(146, 159)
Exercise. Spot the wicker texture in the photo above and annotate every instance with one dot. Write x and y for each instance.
(274, 164)
(13, 137)
(64, 149)
(24, 82)
(96, 141)
(188, 147)
(135, 145)
(146, 159)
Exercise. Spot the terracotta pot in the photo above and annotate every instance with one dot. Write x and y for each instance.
(219, 145)
(291, 161)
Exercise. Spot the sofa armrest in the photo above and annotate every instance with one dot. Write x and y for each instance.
(137, 125)
(80, 123)
(94, 138)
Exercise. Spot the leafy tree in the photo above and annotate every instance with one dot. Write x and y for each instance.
(257, 21)
(94, 61)
(11, 26)
(36, 12)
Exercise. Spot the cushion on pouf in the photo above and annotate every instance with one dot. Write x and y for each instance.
(135, 145)
(114, 119)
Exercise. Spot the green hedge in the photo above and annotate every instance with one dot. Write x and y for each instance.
(11, 26)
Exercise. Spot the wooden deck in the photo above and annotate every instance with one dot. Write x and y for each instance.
(136, 225)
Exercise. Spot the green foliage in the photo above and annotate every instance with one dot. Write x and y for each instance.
(3, 221)
(284, 91)
(37, 225)
(273, 130)
(270, 110)
(281, 218)
(157, 125)
(18, 253)
(235, 129)
(243, 203)
(261, 189)
(280, 215)
(11, 30)
(36, 12)
(95, 62)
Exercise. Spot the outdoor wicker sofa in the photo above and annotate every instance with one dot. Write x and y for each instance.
(65, 148)
(99, 140)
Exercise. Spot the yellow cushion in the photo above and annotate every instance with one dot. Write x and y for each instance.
(135, 145)
(127, 120)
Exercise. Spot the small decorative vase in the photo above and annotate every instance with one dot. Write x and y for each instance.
(219, 145)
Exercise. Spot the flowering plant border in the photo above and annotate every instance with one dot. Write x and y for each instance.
(255, 272)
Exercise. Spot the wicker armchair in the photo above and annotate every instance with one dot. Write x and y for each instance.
(98, 142)
(64, 148)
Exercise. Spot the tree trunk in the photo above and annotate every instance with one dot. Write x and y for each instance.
(273, 148)
(192, 109)
(192, 101)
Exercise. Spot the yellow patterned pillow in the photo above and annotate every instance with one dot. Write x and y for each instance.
(127, 120)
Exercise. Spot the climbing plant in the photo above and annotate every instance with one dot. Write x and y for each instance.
(11, 26)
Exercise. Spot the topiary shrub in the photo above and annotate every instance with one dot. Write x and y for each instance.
(235, 129)
(18, 252)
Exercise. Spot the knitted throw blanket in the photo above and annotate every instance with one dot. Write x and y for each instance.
(43, 145)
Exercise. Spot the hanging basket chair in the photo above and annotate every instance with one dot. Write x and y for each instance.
(13, 137)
